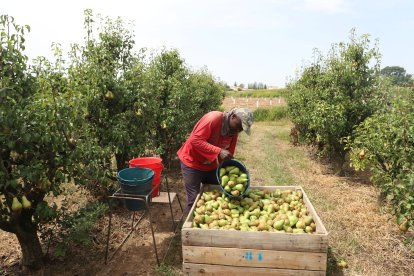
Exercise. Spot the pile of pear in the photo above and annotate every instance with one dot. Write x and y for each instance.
(233, 180)
(269, 211)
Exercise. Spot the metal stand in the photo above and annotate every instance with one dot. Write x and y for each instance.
(146, 199)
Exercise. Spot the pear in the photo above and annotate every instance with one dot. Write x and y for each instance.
(224, 180)
(207, 197)
(239, 187)
(342, 264)
(26, 203)
(278, 225)
(308, 229)
(293, 220)
(222, 222)
(109, 95)
(235, 171)
(308, 220)
(16, 205)
(362, 154)
(231, 184)
(404, 226)
(222, 172)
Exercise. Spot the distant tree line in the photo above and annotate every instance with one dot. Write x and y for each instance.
(256, 85)
(397, 75)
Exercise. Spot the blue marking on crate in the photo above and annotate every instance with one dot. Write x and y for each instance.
(248, 255)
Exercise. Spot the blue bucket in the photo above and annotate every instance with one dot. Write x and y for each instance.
(242, 167)
(136, 181)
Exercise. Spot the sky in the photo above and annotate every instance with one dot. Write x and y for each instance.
(242, 41)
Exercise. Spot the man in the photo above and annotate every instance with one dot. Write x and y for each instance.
(212, 141)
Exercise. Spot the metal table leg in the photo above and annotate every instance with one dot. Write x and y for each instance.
(133, 226)
(109, 231)
(152, 231)
(169, 200)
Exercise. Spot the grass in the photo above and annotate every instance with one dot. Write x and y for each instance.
(404, 92)
(270, 114)
(166, 270)
(259, 93)
(268, 159)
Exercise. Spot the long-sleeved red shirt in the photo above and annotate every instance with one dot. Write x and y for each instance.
(202, 148)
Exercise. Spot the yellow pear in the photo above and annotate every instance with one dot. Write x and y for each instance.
(362, 154)
(342, 264)
(404, 226)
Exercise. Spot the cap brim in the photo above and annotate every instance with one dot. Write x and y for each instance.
(246, 128)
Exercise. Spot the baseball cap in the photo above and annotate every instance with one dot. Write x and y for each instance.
(246, 117)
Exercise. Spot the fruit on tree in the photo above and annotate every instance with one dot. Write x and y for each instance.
(109, 96)
(362, 154)
(26, 203)
(16, 205)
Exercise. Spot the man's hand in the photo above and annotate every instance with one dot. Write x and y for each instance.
(225, 155)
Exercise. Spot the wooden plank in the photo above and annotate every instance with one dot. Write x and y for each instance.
(190, 215)
(218, 270)
(254, 258)
(163, 197)
(255, 240)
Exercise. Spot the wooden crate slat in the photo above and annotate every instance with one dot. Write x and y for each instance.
(254, 258)
(255, 240)
(223, 270)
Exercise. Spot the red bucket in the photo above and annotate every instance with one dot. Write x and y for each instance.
(153, 163)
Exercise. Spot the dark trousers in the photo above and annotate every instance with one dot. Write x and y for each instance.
(192, 181)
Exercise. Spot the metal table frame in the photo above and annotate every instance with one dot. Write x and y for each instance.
(146, 199)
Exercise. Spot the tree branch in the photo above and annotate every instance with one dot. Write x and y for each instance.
(3, 168)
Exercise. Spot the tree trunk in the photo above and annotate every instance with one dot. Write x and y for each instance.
(30, 245)
(121, 162)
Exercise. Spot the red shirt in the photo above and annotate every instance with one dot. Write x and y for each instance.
(202, 148)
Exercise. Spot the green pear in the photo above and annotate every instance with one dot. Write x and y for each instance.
(222, 172)
(235, 171)
(224, 180)
(26, 203)
(16, 205)
(109, 95)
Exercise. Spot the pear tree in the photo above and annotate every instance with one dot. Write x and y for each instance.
(38, 139)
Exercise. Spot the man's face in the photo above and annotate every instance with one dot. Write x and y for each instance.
(235, 124)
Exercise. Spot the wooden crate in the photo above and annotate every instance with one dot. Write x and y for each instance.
(230, 252)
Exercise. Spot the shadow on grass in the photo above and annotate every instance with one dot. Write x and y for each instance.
(333, 268)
